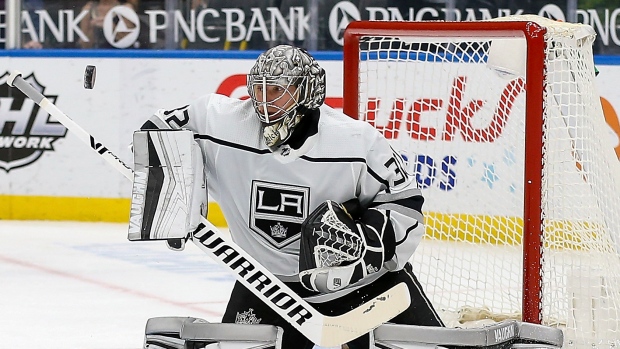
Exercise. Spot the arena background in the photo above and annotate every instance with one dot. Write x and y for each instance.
(164, 54)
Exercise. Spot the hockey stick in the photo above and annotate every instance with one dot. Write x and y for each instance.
(323, 330)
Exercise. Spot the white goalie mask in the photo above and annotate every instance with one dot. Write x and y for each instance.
(284, 83)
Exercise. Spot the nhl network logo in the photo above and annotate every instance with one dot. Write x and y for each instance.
(26, 131)
(121, 27)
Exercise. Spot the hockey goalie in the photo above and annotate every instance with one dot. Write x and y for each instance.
(320, 200)
(278, 163)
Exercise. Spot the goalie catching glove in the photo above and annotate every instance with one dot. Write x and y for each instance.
(336, 251)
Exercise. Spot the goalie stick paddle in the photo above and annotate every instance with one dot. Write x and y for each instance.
(323, 330)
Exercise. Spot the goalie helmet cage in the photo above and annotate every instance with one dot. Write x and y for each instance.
(503, 129)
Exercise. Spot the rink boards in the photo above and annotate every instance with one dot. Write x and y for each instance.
(45, 167)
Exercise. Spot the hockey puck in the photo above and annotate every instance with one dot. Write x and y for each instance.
(89, 77)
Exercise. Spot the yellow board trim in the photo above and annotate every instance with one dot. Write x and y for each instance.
(54, 208)
(565, 234)
(478, 229)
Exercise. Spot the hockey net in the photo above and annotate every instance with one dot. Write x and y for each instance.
(503, 129)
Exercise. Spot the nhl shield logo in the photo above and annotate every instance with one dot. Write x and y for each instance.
(26, 131)
(278, 210)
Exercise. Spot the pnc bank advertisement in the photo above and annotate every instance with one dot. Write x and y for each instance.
(241, 24)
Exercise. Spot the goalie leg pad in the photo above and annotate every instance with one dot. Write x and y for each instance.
(194, 333)
(169, 193)
(165, 332)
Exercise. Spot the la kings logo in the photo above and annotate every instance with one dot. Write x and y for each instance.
(25, 129)
(278, 211)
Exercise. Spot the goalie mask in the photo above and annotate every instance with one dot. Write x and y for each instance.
(284, 83)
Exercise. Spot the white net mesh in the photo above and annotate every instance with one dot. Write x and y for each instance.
(456, 107)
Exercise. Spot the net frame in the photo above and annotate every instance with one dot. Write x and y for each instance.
(534, 35)
(535, 32)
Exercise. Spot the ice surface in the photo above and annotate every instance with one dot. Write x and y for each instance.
(84, 285)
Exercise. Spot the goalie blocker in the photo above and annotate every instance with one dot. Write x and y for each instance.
(169, 193)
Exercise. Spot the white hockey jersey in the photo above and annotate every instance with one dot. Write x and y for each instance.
(266, 194)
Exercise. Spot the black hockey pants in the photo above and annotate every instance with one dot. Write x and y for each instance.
(245, 307)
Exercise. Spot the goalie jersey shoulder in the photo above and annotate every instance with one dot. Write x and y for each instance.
(345, 137)
(213, 116)
(233, 121)
(227, 119)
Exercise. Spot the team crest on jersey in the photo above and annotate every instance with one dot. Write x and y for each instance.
(278, 211)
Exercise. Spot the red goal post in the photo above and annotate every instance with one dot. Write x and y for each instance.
(502, 127)
(535, 58)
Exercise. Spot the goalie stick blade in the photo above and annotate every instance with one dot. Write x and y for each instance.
(341, 329)
(323, 330)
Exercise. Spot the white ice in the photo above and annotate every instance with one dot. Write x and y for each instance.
(84, 285)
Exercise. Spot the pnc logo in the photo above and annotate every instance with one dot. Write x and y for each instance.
(121, 27)
(340, 16)
(26, 131)
(552, 11)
